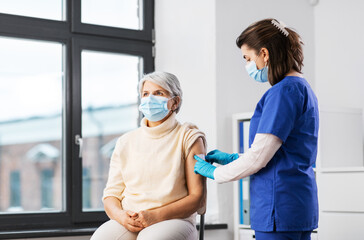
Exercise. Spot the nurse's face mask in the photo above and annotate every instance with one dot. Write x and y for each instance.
(259, 75)
(154, 108)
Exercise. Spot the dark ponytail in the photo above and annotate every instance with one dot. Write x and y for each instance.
(285, 51)
(296, 52)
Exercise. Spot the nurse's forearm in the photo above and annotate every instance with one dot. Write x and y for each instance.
(261, 152)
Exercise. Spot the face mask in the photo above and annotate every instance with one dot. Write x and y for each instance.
(154, 108)
(259, 75)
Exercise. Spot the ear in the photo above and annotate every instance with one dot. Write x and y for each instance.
(176, 102)
(265, 54)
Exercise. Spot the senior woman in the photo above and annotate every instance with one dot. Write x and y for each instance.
(152, 191)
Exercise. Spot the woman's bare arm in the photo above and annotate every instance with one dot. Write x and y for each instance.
(183, 208)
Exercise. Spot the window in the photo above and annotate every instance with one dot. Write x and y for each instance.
(66, 80)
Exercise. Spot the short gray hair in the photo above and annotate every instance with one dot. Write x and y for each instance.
(166, 80)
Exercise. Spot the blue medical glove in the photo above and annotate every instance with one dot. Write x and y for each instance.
(204, 168)
(221, 157)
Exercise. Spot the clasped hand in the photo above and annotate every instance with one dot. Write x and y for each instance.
(136, 222)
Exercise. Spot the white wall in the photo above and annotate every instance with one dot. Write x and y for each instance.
(339, 37)
(339, 53)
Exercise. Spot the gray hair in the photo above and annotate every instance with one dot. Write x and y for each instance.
(166, 80)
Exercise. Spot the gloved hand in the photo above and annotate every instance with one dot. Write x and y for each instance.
(221, 157)
(204, 168)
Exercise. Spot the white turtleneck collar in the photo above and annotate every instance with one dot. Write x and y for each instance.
(161, 130)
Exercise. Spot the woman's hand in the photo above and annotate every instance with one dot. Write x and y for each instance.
(129, 220)
(126, 218)
(147, 217)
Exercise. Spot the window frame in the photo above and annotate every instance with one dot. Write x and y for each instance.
(75, 36)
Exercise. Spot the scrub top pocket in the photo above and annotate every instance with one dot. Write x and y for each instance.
(261, 204)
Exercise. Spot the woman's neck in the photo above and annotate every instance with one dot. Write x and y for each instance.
(294, 74)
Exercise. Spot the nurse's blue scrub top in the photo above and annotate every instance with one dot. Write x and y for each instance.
(284, 193)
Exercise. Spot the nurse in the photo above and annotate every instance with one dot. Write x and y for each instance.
(283, 137)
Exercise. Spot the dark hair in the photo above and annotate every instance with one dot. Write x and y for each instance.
(285, 52)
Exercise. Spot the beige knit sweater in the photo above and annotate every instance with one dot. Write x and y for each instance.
(147, 168)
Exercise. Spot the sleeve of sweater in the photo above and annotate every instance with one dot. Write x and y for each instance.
(115, 184)
(191, 134)
(257, 157)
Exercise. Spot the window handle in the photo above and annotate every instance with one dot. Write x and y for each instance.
(79, 142)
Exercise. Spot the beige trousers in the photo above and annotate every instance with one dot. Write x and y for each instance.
(175, 229)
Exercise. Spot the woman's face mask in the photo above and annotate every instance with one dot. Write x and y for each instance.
(154, 108)
(259, 75)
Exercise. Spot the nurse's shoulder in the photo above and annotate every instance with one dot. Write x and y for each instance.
(290, 85)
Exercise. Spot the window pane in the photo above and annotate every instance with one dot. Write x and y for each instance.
(15, 196)
(109, 109)
(47, 188)
(31, 85)
(48, 9)
(113, 13)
